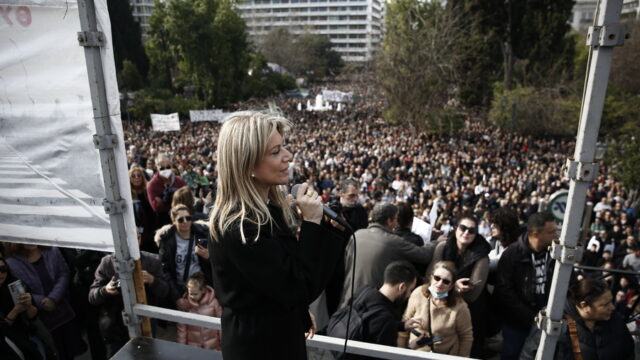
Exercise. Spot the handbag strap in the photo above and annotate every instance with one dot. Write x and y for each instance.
(573, 335)
(187, 266)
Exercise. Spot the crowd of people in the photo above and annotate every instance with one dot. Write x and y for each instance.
(485, 270)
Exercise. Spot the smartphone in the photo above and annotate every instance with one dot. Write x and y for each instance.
(203, 242)
(16, 289)
(428, 341)
(472, 283)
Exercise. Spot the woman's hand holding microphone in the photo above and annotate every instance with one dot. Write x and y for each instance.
(309, 203)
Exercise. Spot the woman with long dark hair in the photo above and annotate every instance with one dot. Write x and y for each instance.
(593, 328)
(264, 277)
(469, 252)
(142, 211)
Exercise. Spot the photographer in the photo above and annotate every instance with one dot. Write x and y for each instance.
(105, 293)
(161, 187)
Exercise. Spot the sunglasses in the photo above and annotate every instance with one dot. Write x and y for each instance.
(444, 281)
(165, 168)
(4, 269)
(463, 228)
(135, 176)
(183, 219)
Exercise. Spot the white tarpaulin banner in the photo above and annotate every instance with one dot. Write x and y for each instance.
(207, 115)
(170, 122)
(337, 96)
(51, 185)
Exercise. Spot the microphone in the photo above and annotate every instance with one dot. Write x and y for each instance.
(326, 210)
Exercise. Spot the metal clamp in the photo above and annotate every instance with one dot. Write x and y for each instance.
(114, 207)
(105, 141)
(607, 35)
(124, 266)
(91, 38)
(565, 254)
(130, 320)
(582, 171)
(548, 325)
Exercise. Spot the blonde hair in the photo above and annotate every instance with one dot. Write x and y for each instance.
(242, 144)
(135, 168)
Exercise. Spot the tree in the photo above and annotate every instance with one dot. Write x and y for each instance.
(129, 79)
(535, 111)
(624, 157)
(417, 64)
(307, 54)
(162, 61)
(200, 43)
(625, 66)
(126, 37)
(278, 46)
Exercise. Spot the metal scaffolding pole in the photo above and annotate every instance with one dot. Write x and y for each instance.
(106, 141)
(582, 169)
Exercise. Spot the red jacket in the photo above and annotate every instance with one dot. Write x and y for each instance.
(155, 187)
(195, 335)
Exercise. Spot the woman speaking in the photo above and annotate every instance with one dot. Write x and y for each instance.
(265, 277)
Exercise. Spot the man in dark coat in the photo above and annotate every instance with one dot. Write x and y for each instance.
(523, 281)
(382, 321)
(105, 294)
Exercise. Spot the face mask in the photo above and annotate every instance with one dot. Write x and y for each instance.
(436, 295)
(166, 173)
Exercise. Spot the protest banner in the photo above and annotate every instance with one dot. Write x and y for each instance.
(161, 122)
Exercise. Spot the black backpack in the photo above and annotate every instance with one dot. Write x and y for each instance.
(357, 330)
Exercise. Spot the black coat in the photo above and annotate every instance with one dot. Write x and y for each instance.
(166, 239)
(356, 216)
(111, 325)
(515, 284)
(266, 286)
(381, 328)
(608, 340)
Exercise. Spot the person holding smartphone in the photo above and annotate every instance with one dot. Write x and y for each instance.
(469, 251)
(444, 316)
(183, 249)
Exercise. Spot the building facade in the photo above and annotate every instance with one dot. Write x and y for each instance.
(355, 27)
(584, 12)
(141, 11)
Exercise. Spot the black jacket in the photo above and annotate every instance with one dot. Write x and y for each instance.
(166, 240)
(356, 216)
(608, 340)
(111, 325)
(515, 284)
(381, 328)
(265, 286)
(408, 235)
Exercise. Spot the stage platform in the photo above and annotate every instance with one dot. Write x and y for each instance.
(155, 349)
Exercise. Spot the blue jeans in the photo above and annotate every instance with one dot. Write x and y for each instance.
(512, 342)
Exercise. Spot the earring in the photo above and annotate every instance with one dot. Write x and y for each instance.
(253, 175)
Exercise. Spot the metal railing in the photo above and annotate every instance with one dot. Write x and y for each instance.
(318, 341)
